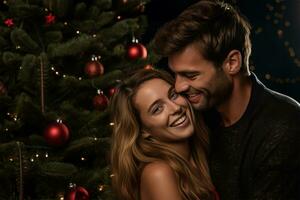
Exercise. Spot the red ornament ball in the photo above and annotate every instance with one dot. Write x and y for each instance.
(56, 134)
(112, 91)
(100, 102)
(136, 50)
(148, 67)
(94, 68)
(3, 89)
(9, 22)
(78, 193)
(50, 18)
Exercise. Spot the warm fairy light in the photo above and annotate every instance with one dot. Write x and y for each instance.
(60, 196)
(119, 17)
(287, 23)
(11, 159)
(268, 76)
(57, 73)
(112, 175)
(65, 23)
(6, 129)
(101, 187)
(94, 35)
(64, 76)
(46, 155)
(79, 78)
(277, 15)
(291, 52)
(31, 159)
(111, 124)
(83, 159)
(77, 32)
(37, 155)
(18, 47)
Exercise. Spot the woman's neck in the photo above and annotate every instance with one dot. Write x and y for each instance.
(183, 149)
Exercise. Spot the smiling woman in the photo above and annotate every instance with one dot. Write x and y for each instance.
(156, 146)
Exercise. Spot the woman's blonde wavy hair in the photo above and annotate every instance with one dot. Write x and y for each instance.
(130, 151)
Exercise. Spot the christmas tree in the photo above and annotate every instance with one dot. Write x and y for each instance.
(60, 62)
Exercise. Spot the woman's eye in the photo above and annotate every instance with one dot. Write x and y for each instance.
(173, 95)
(157, 109)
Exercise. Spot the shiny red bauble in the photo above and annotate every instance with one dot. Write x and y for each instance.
(77, 193)
(100, 101)
(56, 134)
(136, 50)
(94, 68)
(112, 91)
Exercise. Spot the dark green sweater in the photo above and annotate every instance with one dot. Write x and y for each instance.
(259, 156)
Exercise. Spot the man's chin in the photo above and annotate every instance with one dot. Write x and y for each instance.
(200, 106)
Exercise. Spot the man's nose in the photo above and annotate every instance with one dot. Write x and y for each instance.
(181, 84)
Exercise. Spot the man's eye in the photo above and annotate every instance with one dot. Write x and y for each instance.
(191, 76)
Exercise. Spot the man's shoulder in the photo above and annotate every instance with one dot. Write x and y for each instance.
(276, 103)
(269, 99)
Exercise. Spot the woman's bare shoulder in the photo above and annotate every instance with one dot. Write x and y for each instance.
(158, 181)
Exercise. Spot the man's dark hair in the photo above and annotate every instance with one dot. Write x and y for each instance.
(215, 28)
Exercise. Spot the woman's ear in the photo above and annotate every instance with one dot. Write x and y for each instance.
(233, 62)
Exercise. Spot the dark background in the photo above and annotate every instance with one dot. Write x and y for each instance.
(275, 37)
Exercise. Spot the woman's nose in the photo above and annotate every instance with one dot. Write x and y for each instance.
(175, 108)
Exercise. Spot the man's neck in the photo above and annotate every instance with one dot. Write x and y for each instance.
(235, 106)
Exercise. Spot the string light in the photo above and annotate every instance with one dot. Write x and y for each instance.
(101, 187)
(60, 196)
(276, 13)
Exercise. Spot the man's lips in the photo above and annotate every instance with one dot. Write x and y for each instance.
(194, 98)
